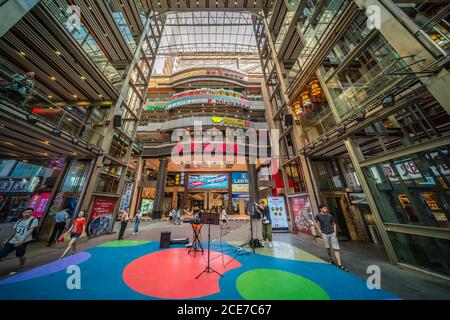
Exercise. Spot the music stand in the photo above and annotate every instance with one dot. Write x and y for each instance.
(196, 244)
(209, 219)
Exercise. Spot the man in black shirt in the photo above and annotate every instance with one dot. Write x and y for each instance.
(326, 226)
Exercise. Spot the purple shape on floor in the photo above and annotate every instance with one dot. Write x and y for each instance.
(47, 269)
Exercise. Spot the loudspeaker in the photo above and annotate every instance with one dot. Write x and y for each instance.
(288, 120)
(165, 239)
(117, 121)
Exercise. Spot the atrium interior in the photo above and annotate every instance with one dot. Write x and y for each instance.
(165, 108)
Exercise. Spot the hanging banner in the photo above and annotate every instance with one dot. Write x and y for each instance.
(126, 198)
(301, 212)
(101, 215)
(278, 213)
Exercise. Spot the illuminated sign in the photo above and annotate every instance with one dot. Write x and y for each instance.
(225, 73)
(232, 122)
(47, 110)
(219, 181)
(158, 108)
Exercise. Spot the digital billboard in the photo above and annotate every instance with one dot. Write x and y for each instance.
(217, 181)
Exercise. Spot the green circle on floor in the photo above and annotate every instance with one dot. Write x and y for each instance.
(122, 243)
(270, 284)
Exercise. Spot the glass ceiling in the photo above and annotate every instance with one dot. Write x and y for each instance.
(208, 38)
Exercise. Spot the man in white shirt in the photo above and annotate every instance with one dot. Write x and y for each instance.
(21, 236)
(60, 223)
(224, 216)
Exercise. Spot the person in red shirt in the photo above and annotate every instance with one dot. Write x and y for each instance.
(78, 229)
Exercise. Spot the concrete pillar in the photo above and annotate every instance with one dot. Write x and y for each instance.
(160, 188)
(253, 182)
(137, 181)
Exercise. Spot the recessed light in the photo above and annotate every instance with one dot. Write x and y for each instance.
(49, 97)
(44, 142)
(58, 53)
(75, 96)
(23, 54)
(9, 143)
(82, 77)
(100, 96)
(52, 78)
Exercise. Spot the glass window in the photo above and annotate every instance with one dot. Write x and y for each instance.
(425, 252)
(413, 190)
(76, 176)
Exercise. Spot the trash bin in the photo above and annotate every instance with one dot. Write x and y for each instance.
(374, 234)
(165, 239)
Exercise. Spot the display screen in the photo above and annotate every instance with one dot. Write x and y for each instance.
(218, 181)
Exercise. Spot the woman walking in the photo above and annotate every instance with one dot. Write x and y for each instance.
(137, 222)
(77, 230)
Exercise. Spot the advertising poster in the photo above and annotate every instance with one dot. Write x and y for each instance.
(301, 212)
(101, 215)
(239, 182)
(126, 197)
(39, 203)
(147, 206)
(218, 181)
(278, 213)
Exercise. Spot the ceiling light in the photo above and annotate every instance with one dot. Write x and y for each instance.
(49, 97)
(53, 78)
(44, 141)
(82, 77)
(58, 53)
(75, 96)
(8, 143)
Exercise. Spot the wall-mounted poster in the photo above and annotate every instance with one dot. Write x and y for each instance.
(216, 181)
(302, 213)
(278, 213)
(39, 203)
(147, 206)
(101, 215)
(357, 198)
(239, 182)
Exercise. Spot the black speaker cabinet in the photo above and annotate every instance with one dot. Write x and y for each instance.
(288, 120)
(165, 239)
(117, 121)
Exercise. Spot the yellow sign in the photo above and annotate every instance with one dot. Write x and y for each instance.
(217, 119)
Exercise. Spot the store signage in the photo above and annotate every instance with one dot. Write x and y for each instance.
(225, 73)
(48, 111)
(232, 122)
(212, 92)
(157, 107)
(301, 213)
(101, 215)
(39, 203)
(239, 182)
(209, 101)
(278, 213)
(219, 181)
(19, 185)
(240, 196)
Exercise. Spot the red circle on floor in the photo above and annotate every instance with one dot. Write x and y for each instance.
(170, 274)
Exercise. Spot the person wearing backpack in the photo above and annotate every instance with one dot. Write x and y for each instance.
(21, 236)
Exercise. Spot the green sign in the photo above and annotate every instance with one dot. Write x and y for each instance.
(151, 108)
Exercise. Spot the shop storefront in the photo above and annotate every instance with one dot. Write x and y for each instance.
(412, 196)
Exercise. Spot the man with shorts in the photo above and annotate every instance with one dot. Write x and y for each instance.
(22, 234)
(325, 224)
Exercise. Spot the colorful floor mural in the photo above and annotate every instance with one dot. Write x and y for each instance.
(141, 270)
